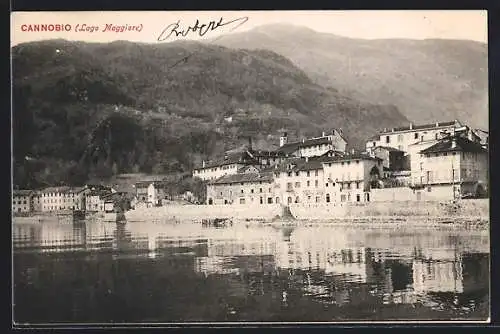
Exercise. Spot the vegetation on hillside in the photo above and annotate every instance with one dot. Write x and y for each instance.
(95, 110)
(428, 80)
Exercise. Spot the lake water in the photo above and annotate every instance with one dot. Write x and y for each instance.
(96, 272)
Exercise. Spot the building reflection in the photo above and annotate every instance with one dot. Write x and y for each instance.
(333, 268)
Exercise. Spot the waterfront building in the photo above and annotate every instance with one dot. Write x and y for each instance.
(63, 198)
(94, 199)
(22, 201)
(454, 166)
(242, 188)
(315, 146)
(229, 165)
(401, 137)
(301, 181)
(151, 193)
(353, 175)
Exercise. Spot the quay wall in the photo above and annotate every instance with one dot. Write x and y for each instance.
(464, 208)
(267, 211)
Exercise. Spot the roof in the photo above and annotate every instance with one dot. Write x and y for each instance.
(308, 165)
(265, 154)
(420, 127)
(243, 178)
(349, 157)
(374, 137)
(388, 148)
(292, 147)
(462, 144)
(147, 183)
(22, 192)
(235, 158)
(63, 189)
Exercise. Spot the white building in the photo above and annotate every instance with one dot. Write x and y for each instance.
(315, 146)
(454, 165)
(400, 138)
(22, 201)
(63, 198)
(352, 175)
(231, 164)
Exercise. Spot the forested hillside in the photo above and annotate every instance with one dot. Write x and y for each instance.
(94, 110)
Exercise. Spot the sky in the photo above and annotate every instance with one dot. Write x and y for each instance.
(373, 24)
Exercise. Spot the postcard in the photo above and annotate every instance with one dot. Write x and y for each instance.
(250, 167)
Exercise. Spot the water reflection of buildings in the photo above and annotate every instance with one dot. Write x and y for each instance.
(456, 273)
(335, 267)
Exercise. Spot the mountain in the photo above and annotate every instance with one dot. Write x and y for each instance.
(86, 110)
(428, 80)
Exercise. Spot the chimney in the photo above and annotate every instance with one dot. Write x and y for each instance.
(307, 159)
(323, 134)
(203, 164)
(454, 142)
(303, 140)
(250, 143)
(411, 126)
(352, 151)
(437, 124)
(392, 129)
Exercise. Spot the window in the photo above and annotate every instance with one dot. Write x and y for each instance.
(296, 173)
(308, 173)
(297, 184)
(277, 200)
(308, 183)
(269, 200)
(251, 191)
(317, 199)
(342, 198)
(374, 143)
(316, 173)
(260, 190)
(326, 185)
(261, 200)
(358, 198)
(387, 139)
(416, 135)
(289, 173)
(400, 138)
(297, 199)
(316, 183)
(357, 185)
(327, 198)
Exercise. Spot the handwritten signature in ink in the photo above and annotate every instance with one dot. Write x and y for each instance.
(176, 30)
